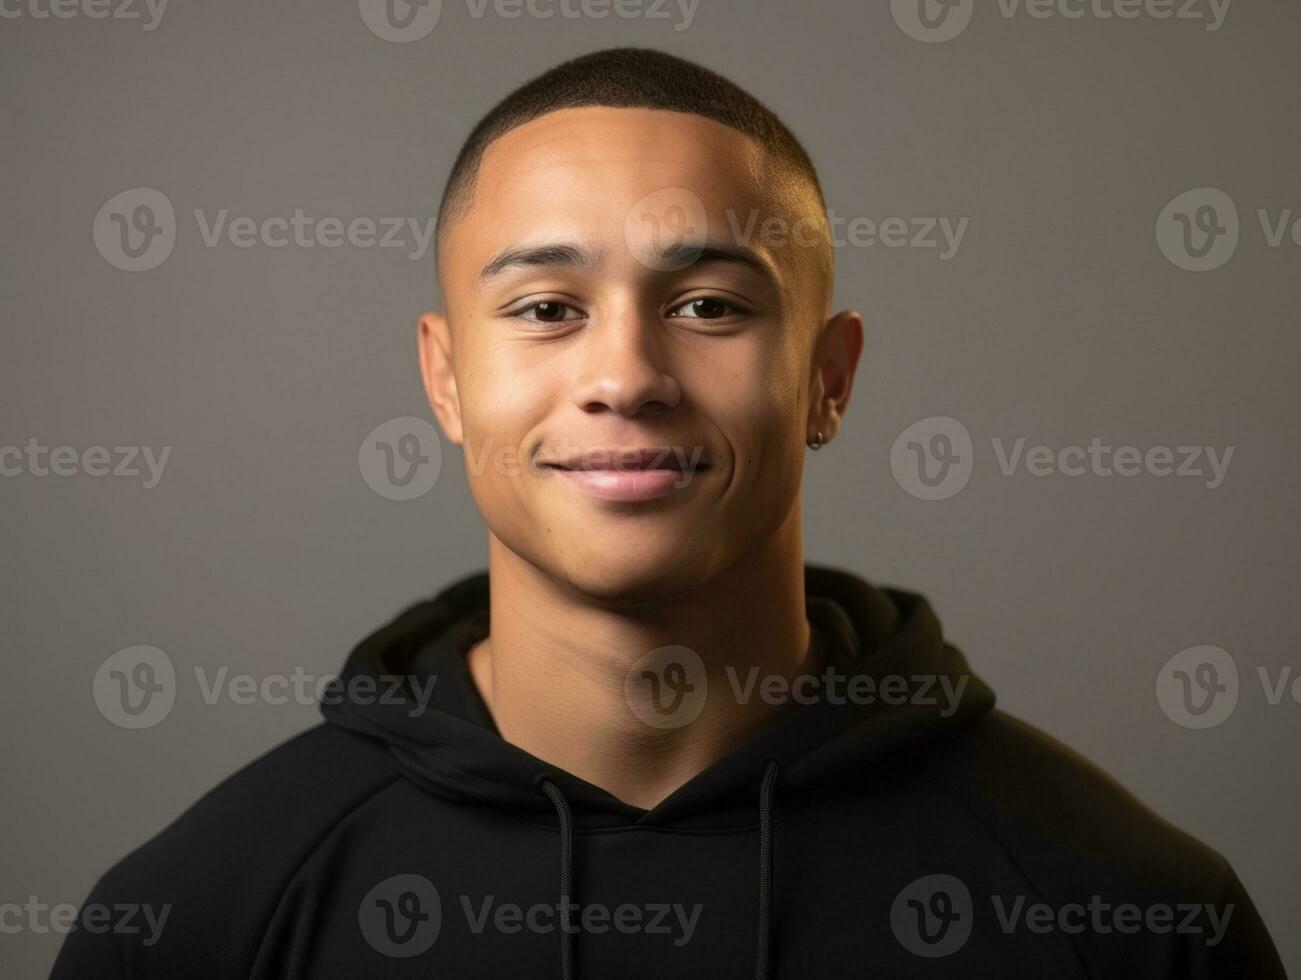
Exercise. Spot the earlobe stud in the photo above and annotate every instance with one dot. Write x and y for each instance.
(816, 444)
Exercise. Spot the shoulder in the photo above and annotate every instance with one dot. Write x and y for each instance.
(1034, 790)
(1129, 882)
(1023, 780)
(204, 888)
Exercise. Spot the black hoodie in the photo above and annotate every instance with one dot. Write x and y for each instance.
(893, 824)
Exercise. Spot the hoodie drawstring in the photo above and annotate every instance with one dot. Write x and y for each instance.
(566, 822)
(763, 958)
(763, 955)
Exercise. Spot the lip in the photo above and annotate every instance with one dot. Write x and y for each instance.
(631, 458)
(627, 485)
(631, 474)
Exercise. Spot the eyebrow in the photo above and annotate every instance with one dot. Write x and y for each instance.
(538, 255)
(677, 256)
(688, 253)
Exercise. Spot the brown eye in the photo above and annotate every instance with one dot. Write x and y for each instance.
(548, 311)
(704, 308)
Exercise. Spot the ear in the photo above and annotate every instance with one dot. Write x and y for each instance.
(436, 369)
(835, 360)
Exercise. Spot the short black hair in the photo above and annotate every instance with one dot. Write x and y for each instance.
(631, 78)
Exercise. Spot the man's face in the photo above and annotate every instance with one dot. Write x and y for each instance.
(633, 421)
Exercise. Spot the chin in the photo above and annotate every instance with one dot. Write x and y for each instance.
(623, 574)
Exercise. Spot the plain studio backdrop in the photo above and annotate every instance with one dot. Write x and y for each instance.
(1065, 314)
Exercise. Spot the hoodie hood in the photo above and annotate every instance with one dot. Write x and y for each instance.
(895, 686)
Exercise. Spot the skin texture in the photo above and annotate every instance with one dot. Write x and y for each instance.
(735, 365)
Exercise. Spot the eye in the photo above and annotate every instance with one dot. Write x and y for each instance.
(704, 308)
(547, 311)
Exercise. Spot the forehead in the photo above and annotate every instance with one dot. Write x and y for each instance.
(581, 173)
(629, 140)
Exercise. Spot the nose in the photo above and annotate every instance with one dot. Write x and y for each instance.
(626, 367)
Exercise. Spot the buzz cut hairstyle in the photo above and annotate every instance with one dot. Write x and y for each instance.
(627, 78)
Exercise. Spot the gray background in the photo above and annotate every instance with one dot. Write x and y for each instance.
(263, 549)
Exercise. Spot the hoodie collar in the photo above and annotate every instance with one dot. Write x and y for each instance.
(867, 636)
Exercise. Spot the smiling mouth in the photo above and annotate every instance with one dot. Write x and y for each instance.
(628, 475)
(627, 461)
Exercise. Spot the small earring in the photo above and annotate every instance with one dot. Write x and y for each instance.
(816, 444)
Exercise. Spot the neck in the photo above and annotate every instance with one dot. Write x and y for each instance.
(554, 669)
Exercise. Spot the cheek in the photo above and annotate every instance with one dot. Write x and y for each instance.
(500, 409)
(761, 412)
(752, 393)
(501, 399)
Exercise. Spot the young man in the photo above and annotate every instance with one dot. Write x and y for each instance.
(651, 741)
